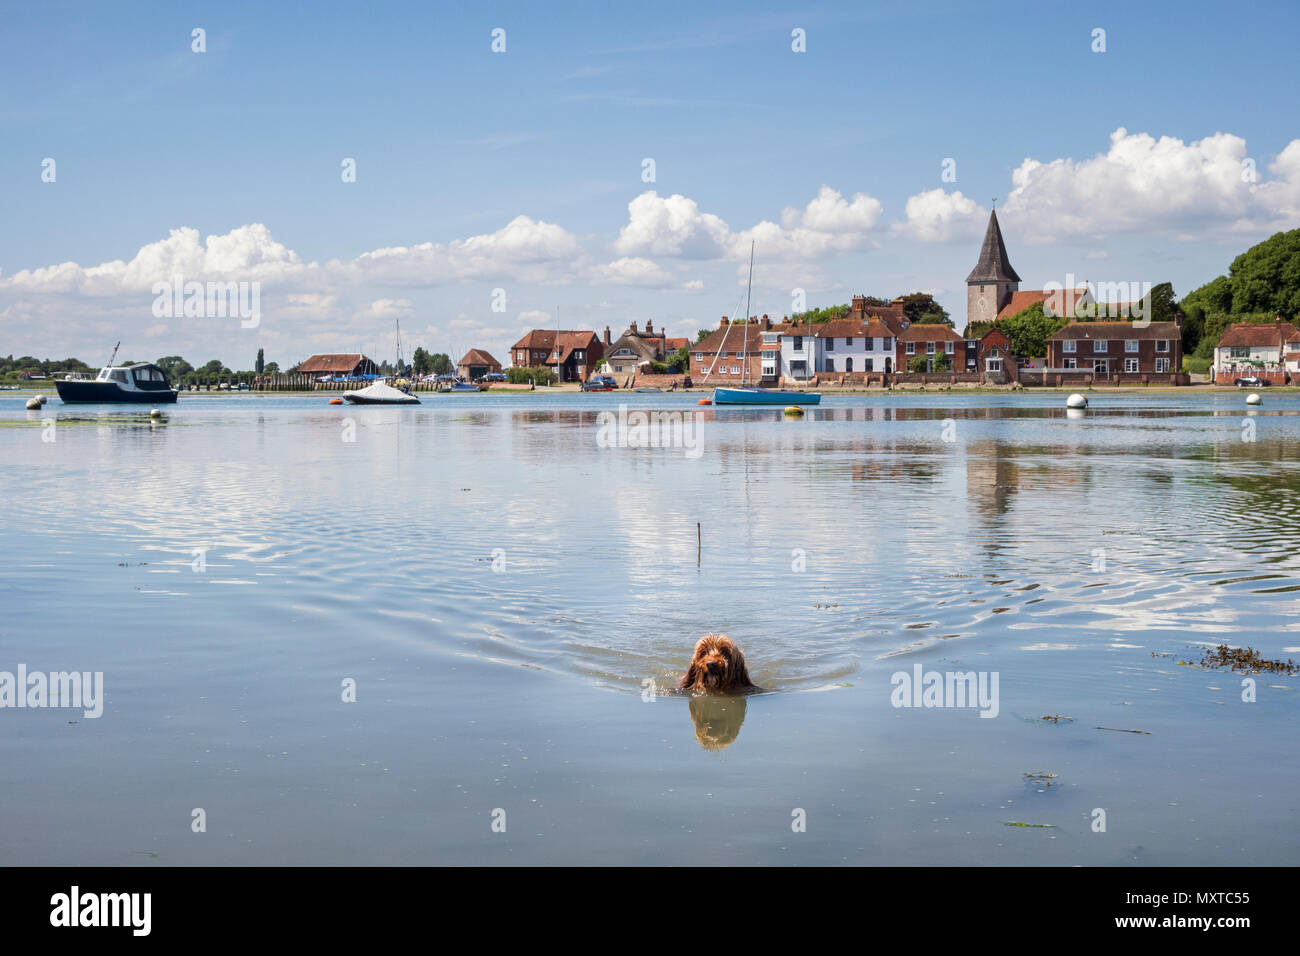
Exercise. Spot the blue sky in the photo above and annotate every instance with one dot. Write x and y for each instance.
(1134, 176)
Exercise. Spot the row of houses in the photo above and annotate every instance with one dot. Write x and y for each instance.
(349, 365)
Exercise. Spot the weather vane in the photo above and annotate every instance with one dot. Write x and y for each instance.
(995, 202)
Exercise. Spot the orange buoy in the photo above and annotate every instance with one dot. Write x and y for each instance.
(705, 401)
(336, 401)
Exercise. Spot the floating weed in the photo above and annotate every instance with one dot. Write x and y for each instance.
(1246, 661)
(1057, 718)
(1120, 730)
(1040, 776)
(1032, 826)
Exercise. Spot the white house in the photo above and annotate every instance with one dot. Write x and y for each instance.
(838, 346)
(1275, 345)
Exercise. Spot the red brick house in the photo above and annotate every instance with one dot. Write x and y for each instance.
(929, 340)
(1115, 348)
(728, 345)
(573, 355)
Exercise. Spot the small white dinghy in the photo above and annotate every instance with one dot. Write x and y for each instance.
(380, 394)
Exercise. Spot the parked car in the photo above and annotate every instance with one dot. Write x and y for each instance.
(494, 377)
(1251, 381)
(599, 383)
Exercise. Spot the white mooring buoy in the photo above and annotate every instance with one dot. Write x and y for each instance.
(155, 413)
(1253, 398)
(33, 404)
(1077, 401)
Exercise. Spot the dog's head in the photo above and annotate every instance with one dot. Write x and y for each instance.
(717, 666)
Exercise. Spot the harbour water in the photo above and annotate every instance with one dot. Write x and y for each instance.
(512, 589)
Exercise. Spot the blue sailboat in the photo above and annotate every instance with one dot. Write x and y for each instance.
(752, 394)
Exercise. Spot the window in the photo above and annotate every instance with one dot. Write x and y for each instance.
(699, 356)
(1071, 363)
(1162, 345)
(830, 344)
(1162, 365)
(993, 363)
(947, 347)
(1238, 351)
(886, 344)
(1130, 365)
(1100, 345)
(910, 349)
(830, 365)
(798, 343)
(735, 370)
(1131, 345)
(870, 365)
(929, 348)
(848, 344)
(1069, 345)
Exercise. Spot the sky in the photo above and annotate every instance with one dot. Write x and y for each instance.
(611, 163)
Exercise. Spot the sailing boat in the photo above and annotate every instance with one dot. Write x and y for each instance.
(383, 394)
(753, 394)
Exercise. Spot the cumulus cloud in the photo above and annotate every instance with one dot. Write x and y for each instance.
(675, 226)
(389, 308)
(938, 216)
(1142, 183)
(633, 270)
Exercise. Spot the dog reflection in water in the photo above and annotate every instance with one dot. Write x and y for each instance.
(717, 719)
(717, 681)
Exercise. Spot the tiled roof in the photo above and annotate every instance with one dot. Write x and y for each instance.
(479, 357)
(1257, 334)
(732, 339)
(1116, 330)
(1068, 301)
(332, 362)
(922, 332)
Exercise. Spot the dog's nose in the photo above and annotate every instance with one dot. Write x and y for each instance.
(712, 666)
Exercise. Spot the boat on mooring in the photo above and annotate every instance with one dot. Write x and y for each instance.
(754, 394)
(382, 393)
(141, 383)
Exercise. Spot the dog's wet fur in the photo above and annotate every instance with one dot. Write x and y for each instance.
(717, 667)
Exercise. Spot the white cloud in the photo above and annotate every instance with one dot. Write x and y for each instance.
(1156, 185)
(675, 226)
(635, 271)
(938, 216)
(389, 308)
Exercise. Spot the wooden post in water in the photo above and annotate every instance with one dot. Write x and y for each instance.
(698, 544)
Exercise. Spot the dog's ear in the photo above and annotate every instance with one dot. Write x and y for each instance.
(739, 671)
(689, 679)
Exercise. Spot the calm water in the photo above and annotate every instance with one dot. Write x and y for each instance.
(501, 587)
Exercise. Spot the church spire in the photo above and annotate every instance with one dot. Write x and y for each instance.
(993, 265)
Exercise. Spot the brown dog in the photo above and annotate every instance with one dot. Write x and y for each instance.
(717, 667)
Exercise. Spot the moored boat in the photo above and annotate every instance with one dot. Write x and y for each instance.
(141, 383)
(380, 394)
(763, 396)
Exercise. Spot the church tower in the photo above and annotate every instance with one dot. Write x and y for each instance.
(991, 282)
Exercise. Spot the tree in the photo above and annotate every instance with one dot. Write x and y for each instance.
(174, 367)
(272, 368)
(702, 335)
(680, 361)
(421, 362)
(917, 363)
(920, 308)
(1160, 302)
(440, 364)
(1029, 329)
(260, 364)
(213, 367)
(942, 363)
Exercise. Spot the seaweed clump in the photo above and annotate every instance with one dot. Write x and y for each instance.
(1246, 660)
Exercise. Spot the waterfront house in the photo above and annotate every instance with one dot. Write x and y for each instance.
(1267, 349)
(930, 340)
(476, 364)
(338, 365)
(732, 351)
(837, 347)
(572, 355)
(636, 348)
(1113, 348)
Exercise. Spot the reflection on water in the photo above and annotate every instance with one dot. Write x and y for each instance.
(229, 566)
(718, 719)
(487, 527)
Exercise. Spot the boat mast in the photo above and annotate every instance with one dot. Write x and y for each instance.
(113, 358)
(744, 364)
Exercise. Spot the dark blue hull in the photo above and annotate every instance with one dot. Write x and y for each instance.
(78, 391)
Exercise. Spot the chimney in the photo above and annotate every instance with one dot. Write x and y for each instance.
(649, 327)
(634, 327)
(723, 323)
(607, 336)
